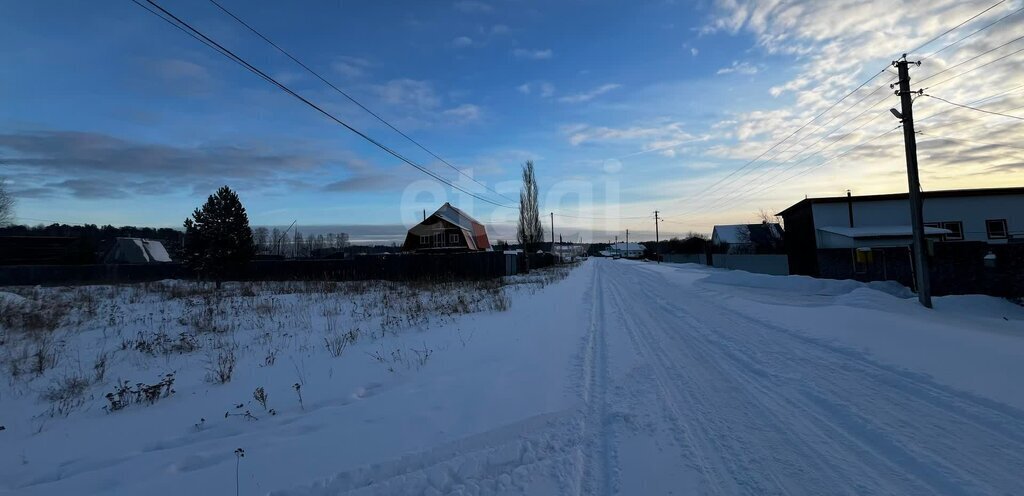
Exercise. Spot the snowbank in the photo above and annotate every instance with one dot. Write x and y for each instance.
(10, 299)
(877, 295)
(979, 306)
(804, 284)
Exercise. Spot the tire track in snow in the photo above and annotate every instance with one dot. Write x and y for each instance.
(689, 406)
(594, 475)
(870, 428)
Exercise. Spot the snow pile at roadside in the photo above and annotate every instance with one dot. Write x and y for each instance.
(979, 305)
(804, 284)
(877, 295)
(7, 298)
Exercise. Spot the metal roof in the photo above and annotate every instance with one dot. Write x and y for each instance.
(881, 231)
(949, 193)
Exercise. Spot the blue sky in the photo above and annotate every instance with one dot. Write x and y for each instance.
(111, 115)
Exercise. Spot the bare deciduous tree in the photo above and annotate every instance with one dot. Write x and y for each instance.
(529, 231)
(767, 218)
(261, 237)
(6, 205)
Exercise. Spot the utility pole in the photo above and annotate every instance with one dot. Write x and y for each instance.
(552, 233)
(657, 242)
(627, 244)
(924, 290)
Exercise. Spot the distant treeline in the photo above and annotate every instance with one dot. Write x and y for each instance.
(94, 240)
(97, 239)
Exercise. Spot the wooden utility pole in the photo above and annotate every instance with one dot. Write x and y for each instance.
(552, 233)
(924, 290)
(657, 242)
(627, 244)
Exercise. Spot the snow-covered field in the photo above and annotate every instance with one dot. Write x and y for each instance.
(616, 377)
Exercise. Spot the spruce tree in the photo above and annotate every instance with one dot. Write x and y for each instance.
(218, 240)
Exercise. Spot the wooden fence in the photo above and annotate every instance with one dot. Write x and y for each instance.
(398, 267)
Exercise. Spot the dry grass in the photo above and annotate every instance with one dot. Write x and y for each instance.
(167, 318)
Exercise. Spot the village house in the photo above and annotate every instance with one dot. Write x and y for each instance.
(136, 251)
(447, 230)
(858, 236)
(627, 250)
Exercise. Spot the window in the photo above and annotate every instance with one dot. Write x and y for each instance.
(424, 240)
(957, 229)
(996, 228)
(932, 224)
(863, 258)
(453, 239)
(439, 239)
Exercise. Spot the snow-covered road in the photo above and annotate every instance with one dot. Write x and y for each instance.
(622, 378)
(692, 395)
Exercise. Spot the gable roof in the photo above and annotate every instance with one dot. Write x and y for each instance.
(137, 250)
(457, 217)
(622, 246)
(728, 233)
(473, 232)
(949, 193)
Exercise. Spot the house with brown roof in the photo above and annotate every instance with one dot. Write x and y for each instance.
(447, 230)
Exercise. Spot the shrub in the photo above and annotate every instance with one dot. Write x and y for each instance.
(222, 364)
(260, 395)
(124, 395)
(66, 394)
(336, 342)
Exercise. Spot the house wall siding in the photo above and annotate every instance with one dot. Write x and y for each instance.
(800, 242)
(973, 211)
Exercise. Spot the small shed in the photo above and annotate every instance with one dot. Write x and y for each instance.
(136, 251)
(446, 230)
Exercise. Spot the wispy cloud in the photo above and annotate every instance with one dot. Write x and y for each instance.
(543, 89)
(463, 113)
(649, 138)
(523, 53)
(589, 95)
(745, 68)
(93, 165)
(462, 42)
(472, 6)
(182, 76)
(350, 67)
(409, 93)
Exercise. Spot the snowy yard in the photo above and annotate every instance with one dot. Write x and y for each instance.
(616, 377)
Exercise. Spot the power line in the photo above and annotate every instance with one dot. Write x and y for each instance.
(329, 115)
(767, 183)
(975, 16)
(601, 218)
(974, 108)
(843, 154)
(821, 138)
(993, 23)
(830, 107)
(971, 59)
(980, 143)
(353, 100)
(183, 30)
(950, 30)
